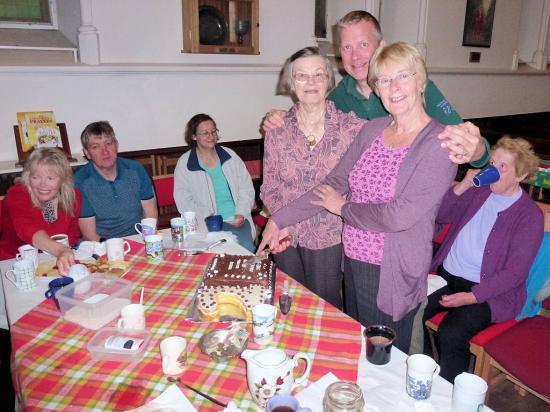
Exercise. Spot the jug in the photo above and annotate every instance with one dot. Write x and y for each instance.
(270, 372)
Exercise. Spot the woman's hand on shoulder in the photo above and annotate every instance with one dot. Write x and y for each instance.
(466, 183)
(330, 199)
(458, 299)
(65, 260)
(273, 119)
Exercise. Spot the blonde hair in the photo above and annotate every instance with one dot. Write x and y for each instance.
(286, 86)
(55, 158)
(526, 161)
(401, 53)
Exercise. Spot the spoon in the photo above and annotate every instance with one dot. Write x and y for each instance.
(176, 379)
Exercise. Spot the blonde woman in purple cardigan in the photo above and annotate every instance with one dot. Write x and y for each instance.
(387, 189)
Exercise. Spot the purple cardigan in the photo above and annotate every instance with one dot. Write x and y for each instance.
(509, 252)
(408, 220)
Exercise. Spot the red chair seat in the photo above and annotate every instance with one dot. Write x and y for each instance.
(524, 351)
(164, 189)
(491, 332)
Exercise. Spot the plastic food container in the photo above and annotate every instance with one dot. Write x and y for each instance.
(124, 345)
(95, 300)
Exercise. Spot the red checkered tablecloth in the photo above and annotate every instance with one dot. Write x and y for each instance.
(53, 370)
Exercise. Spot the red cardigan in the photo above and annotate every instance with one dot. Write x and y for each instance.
(21, 220)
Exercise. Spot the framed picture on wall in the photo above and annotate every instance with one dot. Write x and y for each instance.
(478, 23)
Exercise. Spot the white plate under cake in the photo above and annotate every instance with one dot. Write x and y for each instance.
(230, 289)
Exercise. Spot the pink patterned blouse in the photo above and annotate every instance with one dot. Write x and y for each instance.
(291, 169)
(372, 180)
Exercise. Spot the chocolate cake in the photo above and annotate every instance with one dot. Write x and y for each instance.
(230, 289)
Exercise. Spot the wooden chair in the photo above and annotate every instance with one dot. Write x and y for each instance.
(168, 164)
(164, 191)
(521, 355)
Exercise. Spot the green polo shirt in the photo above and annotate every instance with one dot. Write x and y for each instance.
(347, 98)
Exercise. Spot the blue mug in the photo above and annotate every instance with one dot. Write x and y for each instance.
(55, 285)
(486, 176)
(214, 223)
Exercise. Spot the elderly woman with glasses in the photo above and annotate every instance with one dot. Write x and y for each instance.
(495, 233)
(387, 189)
(297, 157)
(43, 203)
(212, 180)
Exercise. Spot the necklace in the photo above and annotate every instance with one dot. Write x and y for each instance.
(310, 127)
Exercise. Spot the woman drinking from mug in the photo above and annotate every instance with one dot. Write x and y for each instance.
(212, 180)
(394, 175)
(493, 239)
(43, 203)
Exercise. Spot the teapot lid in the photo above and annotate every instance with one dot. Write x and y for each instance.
(270, 356)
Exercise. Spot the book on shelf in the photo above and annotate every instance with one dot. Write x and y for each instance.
(38, 129)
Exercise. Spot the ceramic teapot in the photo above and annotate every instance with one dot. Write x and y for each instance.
(270, 372)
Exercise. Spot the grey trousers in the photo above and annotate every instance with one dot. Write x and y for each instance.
(361, 281)
(318, 270)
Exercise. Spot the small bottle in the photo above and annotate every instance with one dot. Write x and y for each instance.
(285, 301)
(343, 396)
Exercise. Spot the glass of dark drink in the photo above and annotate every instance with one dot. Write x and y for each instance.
(379, 341)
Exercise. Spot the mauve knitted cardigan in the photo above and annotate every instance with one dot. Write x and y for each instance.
(408, 220)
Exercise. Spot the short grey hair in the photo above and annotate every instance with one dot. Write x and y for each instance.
(100, 128)
(286, 83)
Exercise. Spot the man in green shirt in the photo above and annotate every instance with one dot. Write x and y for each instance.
(359, 37)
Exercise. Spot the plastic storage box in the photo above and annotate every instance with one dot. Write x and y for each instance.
(123, 345)
(95, 300)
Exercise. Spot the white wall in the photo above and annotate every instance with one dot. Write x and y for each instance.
(149, 89)
(153, 34)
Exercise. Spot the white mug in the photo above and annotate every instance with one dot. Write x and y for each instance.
(147, 226)
(191, 224)
(117, 248)
(468, 393)
(173, 351)
(61, 238)
(23, 275)
(28, 252)
(420, 374)
(132, 316)
(263, 321)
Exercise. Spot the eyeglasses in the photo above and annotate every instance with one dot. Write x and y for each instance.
(304, 77)
(206, 133)
(384, 82)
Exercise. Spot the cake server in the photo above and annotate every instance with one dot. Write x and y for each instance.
(206, 249)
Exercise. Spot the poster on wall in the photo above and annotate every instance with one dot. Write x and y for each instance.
(478, 23)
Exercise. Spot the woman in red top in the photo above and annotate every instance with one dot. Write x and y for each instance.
(43, 203)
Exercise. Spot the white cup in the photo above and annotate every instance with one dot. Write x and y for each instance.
(23, 275)
(177, 229)
(132, 316)
(154, 248)
(468, 393)
(61, 238)
(421, 370)
(117, 248)
(28, 252)
(147, 226)
(173, 351)
(263, 321)
(191, 224)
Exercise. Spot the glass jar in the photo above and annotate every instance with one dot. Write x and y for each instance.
(343, 396)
